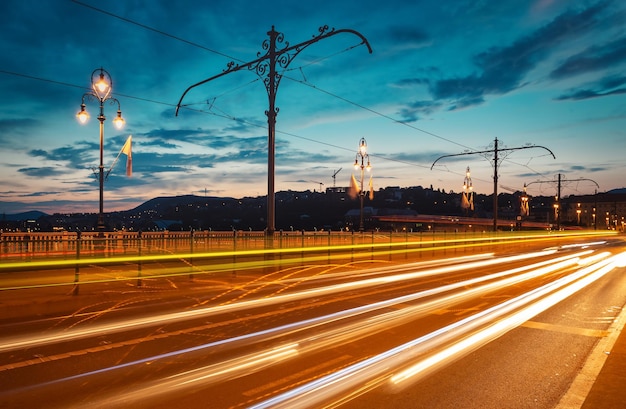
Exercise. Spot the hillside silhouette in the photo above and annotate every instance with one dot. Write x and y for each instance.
(304, 210)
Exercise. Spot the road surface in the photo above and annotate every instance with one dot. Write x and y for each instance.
(481, 330)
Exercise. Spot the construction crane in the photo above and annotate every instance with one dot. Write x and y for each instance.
(510, 189)
(335, 177)
(320, 183)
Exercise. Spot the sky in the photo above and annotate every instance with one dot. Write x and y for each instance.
(444, 80)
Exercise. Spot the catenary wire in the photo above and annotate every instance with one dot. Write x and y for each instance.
(316, 61)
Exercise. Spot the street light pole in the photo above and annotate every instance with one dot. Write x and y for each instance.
(496, 163)
(101, 89)
(557, 198)
(265, 66)
(362, 156)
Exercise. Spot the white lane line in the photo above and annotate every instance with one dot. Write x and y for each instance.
(580, 388)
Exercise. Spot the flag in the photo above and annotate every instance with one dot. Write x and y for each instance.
(354, 189)
(128, 151)
(465, 204)
(525, 211)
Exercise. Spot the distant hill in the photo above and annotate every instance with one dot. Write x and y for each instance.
(32, 215)
(163, 202)
(618, 191)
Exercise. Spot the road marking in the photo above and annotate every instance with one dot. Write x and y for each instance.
(596, 333)
(581, 386)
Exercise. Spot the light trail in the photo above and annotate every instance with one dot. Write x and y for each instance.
(437, 244)
(200, 266)
(334, 336)
(31, 340)
(293, 328)
(585, 277)
(350, 382)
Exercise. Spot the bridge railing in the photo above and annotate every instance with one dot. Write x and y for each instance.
(69, 245)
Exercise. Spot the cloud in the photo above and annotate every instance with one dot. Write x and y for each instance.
(595, 58)
(46, 171)
(76, 156)
(410, 82)
(412, 112)
(406, 37)
(579, 168)
(611, 85)
(15, 126)
(502, 69)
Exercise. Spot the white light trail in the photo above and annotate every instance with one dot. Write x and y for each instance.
(505, 325)
(349, 382)
(366, 325)
(333, 336)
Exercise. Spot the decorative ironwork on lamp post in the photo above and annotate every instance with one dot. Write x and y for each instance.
(267, 67)
(362, 157)
(101, 89)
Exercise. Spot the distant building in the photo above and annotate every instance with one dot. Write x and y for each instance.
(337, 189)
(600, 211)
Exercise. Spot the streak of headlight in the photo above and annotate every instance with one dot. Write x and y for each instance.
(593, 243)
(620, 260)
(368, 372)
(236, 366)
(77, 333)
(223, 371)
(505, 325)
(368, 325)
(407, 314)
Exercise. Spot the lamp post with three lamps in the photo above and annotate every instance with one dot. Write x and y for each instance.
(363, 156)
(101, 89)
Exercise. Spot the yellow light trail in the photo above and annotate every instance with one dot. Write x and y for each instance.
(423, 246)
(76, 333)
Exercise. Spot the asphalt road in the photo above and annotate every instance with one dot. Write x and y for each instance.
(504, 331)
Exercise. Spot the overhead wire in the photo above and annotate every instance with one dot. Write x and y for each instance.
(316, 61)
(127, 20)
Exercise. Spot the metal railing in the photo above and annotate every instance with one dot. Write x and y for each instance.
(26, 246)
(138, 256)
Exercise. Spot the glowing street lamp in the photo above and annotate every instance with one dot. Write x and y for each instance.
(467, 197)
(556, 215)
(101, 89)
(362, 156)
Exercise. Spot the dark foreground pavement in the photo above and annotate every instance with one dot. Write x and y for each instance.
(609, 389)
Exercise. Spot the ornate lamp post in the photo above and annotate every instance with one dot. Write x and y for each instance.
(362, 157)
(467, 201)
(101, 88)
(496, 164)
(270, 68)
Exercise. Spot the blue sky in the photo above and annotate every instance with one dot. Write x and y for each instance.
(444, 78)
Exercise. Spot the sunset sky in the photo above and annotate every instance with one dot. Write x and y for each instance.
(444, 78)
